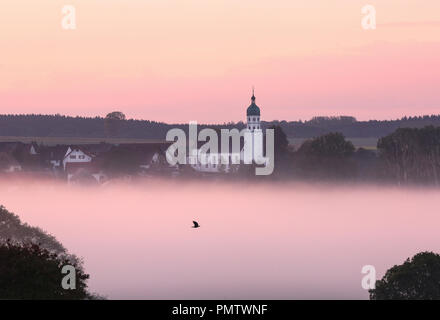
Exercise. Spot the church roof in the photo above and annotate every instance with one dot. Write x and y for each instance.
(253, 109)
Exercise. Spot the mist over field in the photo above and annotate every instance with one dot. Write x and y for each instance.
(284, 241)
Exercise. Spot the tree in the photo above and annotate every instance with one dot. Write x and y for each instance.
(417, 279)
(11, 228)
(31, 262)
(329, 156)
(122, 161)
(331, 145)
(340, 120)
(113, 122)
(412, 154)
(281, 152)
(116, 115)
(33, 125)
(281, 143)
(28, 271)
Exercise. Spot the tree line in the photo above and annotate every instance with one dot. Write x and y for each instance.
(115, 125)
(405, 156)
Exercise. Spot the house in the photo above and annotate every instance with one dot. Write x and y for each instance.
(25, 154)
(134, 158)
(84, 172)
(101, 161)
(32, 148)
(80, 166)
(53, 156)
(76, 154)
(56, 157)
(94, 162)
(11, 147)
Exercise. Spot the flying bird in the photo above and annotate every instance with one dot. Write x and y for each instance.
(196, 225)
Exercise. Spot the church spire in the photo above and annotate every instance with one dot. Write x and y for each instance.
(253, 114)
(253, 109)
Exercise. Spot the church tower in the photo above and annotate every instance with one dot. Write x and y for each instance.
(253, 115)
(253, 146)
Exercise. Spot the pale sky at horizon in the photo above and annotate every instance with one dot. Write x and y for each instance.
(176, 61)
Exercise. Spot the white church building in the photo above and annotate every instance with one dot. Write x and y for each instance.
(212, 162)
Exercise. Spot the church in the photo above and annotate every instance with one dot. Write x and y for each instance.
(212, 163)
(253, 115)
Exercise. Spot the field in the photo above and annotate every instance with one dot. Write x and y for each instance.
(367, 143)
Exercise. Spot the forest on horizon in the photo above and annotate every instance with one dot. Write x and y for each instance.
(34, 125)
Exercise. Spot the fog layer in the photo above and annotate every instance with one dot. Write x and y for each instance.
(267, 241)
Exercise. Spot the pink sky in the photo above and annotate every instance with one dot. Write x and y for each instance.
(175, 61)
